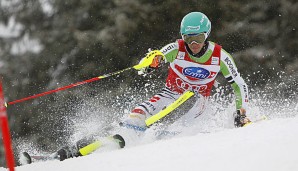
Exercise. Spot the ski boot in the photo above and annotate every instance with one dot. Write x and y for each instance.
(67, 152)
(73, 151)
(240, 120)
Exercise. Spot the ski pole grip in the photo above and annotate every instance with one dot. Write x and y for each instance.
(147, 61)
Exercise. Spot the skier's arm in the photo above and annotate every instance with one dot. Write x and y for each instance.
(169, 51)
(230, 72)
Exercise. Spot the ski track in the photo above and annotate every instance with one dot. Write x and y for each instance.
(265, 146)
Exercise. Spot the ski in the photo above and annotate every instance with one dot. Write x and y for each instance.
(26, 158)
(134, 127)
(158, 133)
(74, 151)
(263, 118)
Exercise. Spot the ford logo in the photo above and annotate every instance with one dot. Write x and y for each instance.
(196, 72)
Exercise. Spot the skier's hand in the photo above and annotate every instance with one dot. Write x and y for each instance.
(157, 59)
(240, 118)
(144, 71)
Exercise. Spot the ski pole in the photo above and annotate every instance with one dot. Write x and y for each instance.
(144, 63)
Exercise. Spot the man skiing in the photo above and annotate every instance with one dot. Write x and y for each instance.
(194, 64)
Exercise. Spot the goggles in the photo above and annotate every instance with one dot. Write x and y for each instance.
(197, 38)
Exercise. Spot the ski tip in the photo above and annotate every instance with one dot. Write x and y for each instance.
(264, 117)
(25, 158)
(248, 123)
(120, 140)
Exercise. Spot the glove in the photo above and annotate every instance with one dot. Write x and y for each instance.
(240, 118)
(144, 71)
(156, 61)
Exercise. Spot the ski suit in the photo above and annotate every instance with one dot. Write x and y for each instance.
(197, 74)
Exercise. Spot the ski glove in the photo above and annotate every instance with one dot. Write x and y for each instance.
(157, 58)
(240, 118)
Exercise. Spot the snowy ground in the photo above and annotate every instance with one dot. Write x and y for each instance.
(264, 146)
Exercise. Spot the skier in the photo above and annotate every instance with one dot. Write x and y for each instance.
(194, 64)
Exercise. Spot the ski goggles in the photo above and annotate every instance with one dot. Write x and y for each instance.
(197, 38)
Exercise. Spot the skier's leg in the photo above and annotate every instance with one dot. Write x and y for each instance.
(137, 117)
(190, 117)
(134, 123)
(148, 108)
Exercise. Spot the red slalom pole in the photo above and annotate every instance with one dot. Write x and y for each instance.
(6, 133)
(67, 87)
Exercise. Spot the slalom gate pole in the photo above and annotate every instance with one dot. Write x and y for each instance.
(6, 133)
(67, 87)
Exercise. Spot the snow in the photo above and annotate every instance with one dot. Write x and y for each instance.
(25, 44)
(47, 7)
(11, 30)
(264, 146)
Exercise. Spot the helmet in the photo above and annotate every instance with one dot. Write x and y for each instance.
(195, 23)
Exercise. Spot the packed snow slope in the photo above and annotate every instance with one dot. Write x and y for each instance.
(264, 146)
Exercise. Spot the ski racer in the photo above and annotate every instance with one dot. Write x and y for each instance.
(194, 63)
